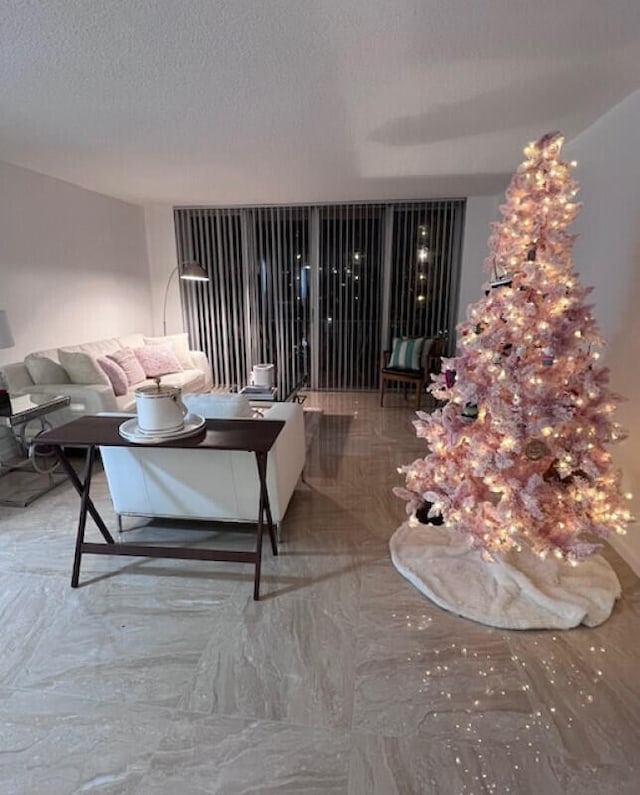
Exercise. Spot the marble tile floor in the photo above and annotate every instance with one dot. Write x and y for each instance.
(165, 678)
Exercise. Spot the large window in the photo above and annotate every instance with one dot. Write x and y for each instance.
(318, 290)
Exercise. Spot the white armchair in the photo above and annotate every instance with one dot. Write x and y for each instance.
(203, 484)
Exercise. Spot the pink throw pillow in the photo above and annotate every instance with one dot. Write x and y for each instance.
(115, 374)
(126, 358)
(157, 360)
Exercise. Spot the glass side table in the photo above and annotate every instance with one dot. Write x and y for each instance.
(32, 474)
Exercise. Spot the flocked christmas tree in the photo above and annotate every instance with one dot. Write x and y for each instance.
(518, 455)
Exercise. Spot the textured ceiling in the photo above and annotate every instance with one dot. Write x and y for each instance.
(260, 101)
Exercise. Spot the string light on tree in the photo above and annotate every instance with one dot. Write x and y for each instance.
(518, 454)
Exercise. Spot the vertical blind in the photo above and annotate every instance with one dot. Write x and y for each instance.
(318, 290)
(349, 279)
(425, 265)
(278, 290)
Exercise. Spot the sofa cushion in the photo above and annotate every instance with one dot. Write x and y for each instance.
(44, 368)
(82, 368)
(216, 406)
(115, 374)
(157, 360)
(15, 377)
(131, 340)
(127, 359)
(95, 349)
(180, 345)
(406, 353)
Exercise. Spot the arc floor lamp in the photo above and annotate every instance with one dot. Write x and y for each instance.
(189, 271)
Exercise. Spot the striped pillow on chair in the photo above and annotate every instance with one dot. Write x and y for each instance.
(406, 353)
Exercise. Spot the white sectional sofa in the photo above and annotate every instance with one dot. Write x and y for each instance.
(43, 372)
(216, 485)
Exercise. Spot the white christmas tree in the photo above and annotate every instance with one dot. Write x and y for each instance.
(519, 453)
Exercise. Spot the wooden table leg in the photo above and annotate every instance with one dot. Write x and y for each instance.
(82, 518)
(86, 506)
(265, 505)
(264, 511)
(80, 488)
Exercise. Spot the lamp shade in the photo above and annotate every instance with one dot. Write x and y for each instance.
(6, 337)
(192, 271)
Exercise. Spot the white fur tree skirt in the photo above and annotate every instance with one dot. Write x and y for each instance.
(516, 591)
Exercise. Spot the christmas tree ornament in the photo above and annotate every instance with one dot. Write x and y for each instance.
(422, 515)
(550, 143)
(469, 412)
(547, 357)
(501, 281)
(449, 378)
(478, 328)
(551, 473)
(536, 449)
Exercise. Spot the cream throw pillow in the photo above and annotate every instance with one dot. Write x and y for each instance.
(180, 345)
(82, 368)
(44, 370)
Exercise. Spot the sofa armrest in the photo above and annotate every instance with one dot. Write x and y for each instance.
(201, 362)
(16, 378)
(85, 398)
(287, 457)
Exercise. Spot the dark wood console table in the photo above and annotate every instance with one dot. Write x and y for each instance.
(91, 432)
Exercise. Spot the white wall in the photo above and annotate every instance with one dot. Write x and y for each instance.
(161, 245)
(480, 212)
(607, 256)
(73, 263)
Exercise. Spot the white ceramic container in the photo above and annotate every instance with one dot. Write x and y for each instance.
(160, 409)
(262, 375)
